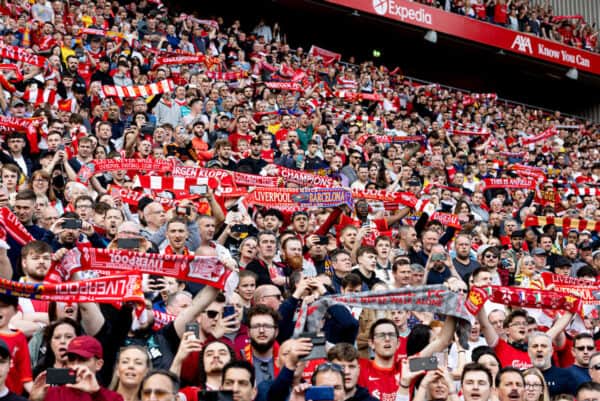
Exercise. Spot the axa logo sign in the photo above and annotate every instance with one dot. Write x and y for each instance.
(391, 8)
(523, 44)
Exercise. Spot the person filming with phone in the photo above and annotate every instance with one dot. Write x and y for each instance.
(78, 381)
(439, 266)
(68, 232)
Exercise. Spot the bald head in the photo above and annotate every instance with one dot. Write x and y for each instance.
(269, 295)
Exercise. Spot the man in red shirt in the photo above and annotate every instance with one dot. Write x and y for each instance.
(381, 376)
(501, 12)
(19, 375)
(241, 132)
(513, 350)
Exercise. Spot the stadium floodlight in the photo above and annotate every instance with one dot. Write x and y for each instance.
(431, 36)
(572, 74)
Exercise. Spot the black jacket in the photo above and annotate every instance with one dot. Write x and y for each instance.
(362, 394)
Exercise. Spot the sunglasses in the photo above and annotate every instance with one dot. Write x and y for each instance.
(212, 314)
(329, 366)
(585, 348)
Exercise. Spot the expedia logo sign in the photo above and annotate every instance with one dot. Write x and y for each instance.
(390, 7)
(380, 6)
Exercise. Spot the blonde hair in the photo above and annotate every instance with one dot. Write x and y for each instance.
(114, 383)
(545, 395)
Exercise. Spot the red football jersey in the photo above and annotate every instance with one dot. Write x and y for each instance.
(382, 383)
(510, 356)
(20, 362)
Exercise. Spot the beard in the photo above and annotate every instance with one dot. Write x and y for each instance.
(295, 262)
(35, 275)
(264, 347)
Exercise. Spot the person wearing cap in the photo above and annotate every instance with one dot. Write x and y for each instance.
(19, 376)
(585, 251)
(5, 359)
(516, 245)
(562, 266)
(254, 163)
(85, 356)
(539, 256)
(17, 108)
(102, 73)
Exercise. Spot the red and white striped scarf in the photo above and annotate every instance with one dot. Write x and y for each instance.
(164, 86)
(158, 183)
(39, 96)
(346, 84)
(550, 132)
(566, 223)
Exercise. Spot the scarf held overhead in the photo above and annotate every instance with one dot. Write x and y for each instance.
(566, 223)
(307, 197)
(523, 297)
(156, 88)
(428, 298)
(200, 269)
(588, 292)
(109, 289)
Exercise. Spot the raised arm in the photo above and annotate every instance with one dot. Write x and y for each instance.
(491, 337)
(443, 340)
(199, 303)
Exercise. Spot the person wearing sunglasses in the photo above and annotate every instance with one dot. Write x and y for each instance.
(159, 385)
(594, 369)
(327, 374)
(583, 348)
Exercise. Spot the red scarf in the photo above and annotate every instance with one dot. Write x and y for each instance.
(523, 297)
(14, 227)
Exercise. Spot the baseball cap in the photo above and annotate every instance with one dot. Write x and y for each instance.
(4, 350)
(143, 202)
(85, 347)
(224, 115)
(562, 261)
(538, 251)
(17, 102)
(78, 87)
(9, 300)
(585, 246)
(518, 234)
